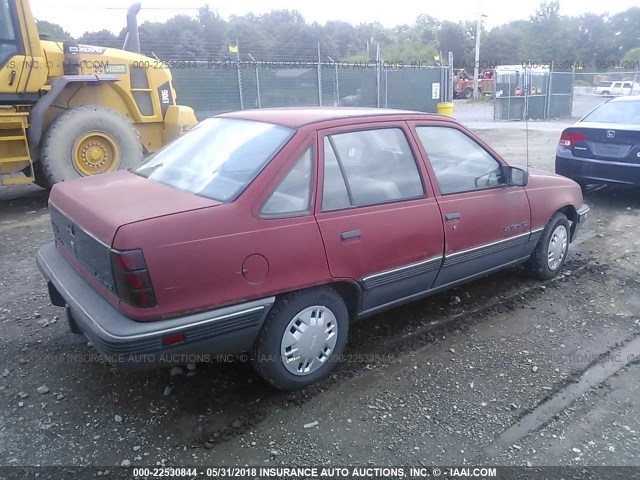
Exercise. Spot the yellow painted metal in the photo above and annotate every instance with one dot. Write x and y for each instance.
(177, 121)
(16, 180)
(14, 147)
(11, 138)
(96, 152)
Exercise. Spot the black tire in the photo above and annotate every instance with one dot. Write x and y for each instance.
(59, 140)
(468, 93)
(266, 356)
(539, 262)
(40, 178)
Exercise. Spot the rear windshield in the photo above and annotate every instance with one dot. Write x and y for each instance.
(615, 112)
(217, 158)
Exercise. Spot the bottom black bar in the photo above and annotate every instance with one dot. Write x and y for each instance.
(319, 472)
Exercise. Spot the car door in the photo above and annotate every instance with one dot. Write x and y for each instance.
(380, 223)
(486, 222)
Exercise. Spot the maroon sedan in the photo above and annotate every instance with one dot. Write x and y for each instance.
(268, 231)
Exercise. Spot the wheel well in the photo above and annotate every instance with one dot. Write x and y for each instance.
(351, 294)
(571, 213)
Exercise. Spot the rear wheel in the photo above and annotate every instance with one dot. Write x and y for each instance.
(301, 338)
(89, 140)
(551, 251)
(468, 93)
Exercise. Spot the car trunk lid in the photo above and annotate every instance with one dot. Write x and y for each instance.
(102, 203)
(86, 214)
(608, 142)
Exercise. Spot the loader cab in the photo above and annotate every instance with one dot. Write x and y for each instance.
(23, 69)
(9, 45)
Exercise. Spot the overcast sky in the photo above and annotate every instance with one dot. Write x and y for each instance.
(78, 16)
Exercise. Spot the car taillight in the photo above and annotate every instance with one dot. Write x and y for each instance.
(132, 279)
(568, 139)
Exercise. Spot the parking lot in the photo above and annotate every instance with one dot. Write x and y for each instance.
(506, 370)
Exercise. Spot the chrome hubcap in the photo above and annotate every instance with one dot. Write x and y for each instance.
(557, 247)
(309, 340)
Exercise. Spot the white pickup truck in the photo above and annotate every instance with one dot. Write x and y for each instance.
(617, 88)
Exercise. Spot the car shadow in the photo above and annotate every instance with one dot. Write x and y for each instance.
(613, 197)
(223, 398)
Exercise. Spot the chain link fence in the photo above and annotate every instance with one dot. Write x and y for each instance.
(213, 87)
(532, 93)
(545, 94)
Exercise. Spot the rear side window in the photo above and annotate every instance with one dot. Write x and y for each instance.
(293, 194)
(217, 158)
(369, 167)
(335, 195)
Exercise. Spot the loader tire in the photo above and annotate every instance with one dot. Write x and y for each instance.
(89, 140)
(40, 178)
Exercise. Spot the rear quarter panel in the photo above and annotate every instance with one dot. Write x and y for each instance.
(196, 258)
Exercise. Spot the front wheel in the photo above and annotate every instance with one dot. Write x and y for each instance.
(301, 339)
(551, 251)
(468, 93)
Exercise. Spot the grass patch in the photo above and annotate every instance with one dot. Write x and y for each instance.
(481, 99)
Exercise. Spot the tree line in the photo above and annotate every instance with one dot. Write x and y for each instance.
(285, 35)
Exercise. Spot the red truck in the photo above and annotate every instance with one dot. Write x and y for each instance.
(463, 83)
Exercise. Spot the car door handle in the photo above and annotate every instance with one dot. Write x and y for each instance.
(451, 216)
(350, 234)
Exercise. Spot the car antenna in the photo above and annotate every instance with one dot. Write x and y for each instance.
(526, 129)
(527, 87)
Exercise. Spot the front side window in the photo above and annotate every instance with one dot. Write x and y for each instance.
(8, 44)
(293, 194)
(368, 167)
(218, 158)
(459, 163)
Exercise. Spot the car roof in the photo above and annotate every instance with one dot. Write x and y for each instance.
(299, 116)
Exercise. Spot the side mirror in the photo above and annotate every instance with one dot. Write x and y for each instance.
(514, 176)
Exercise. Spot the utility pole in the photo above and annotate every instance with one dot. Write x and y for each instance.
(255, 64)
(476, 65)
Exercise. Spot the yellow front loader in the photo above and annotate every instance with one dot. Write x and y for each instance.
(69, 110)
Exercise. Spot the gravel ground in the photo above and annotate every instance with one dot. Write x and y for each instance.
(438, 382)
